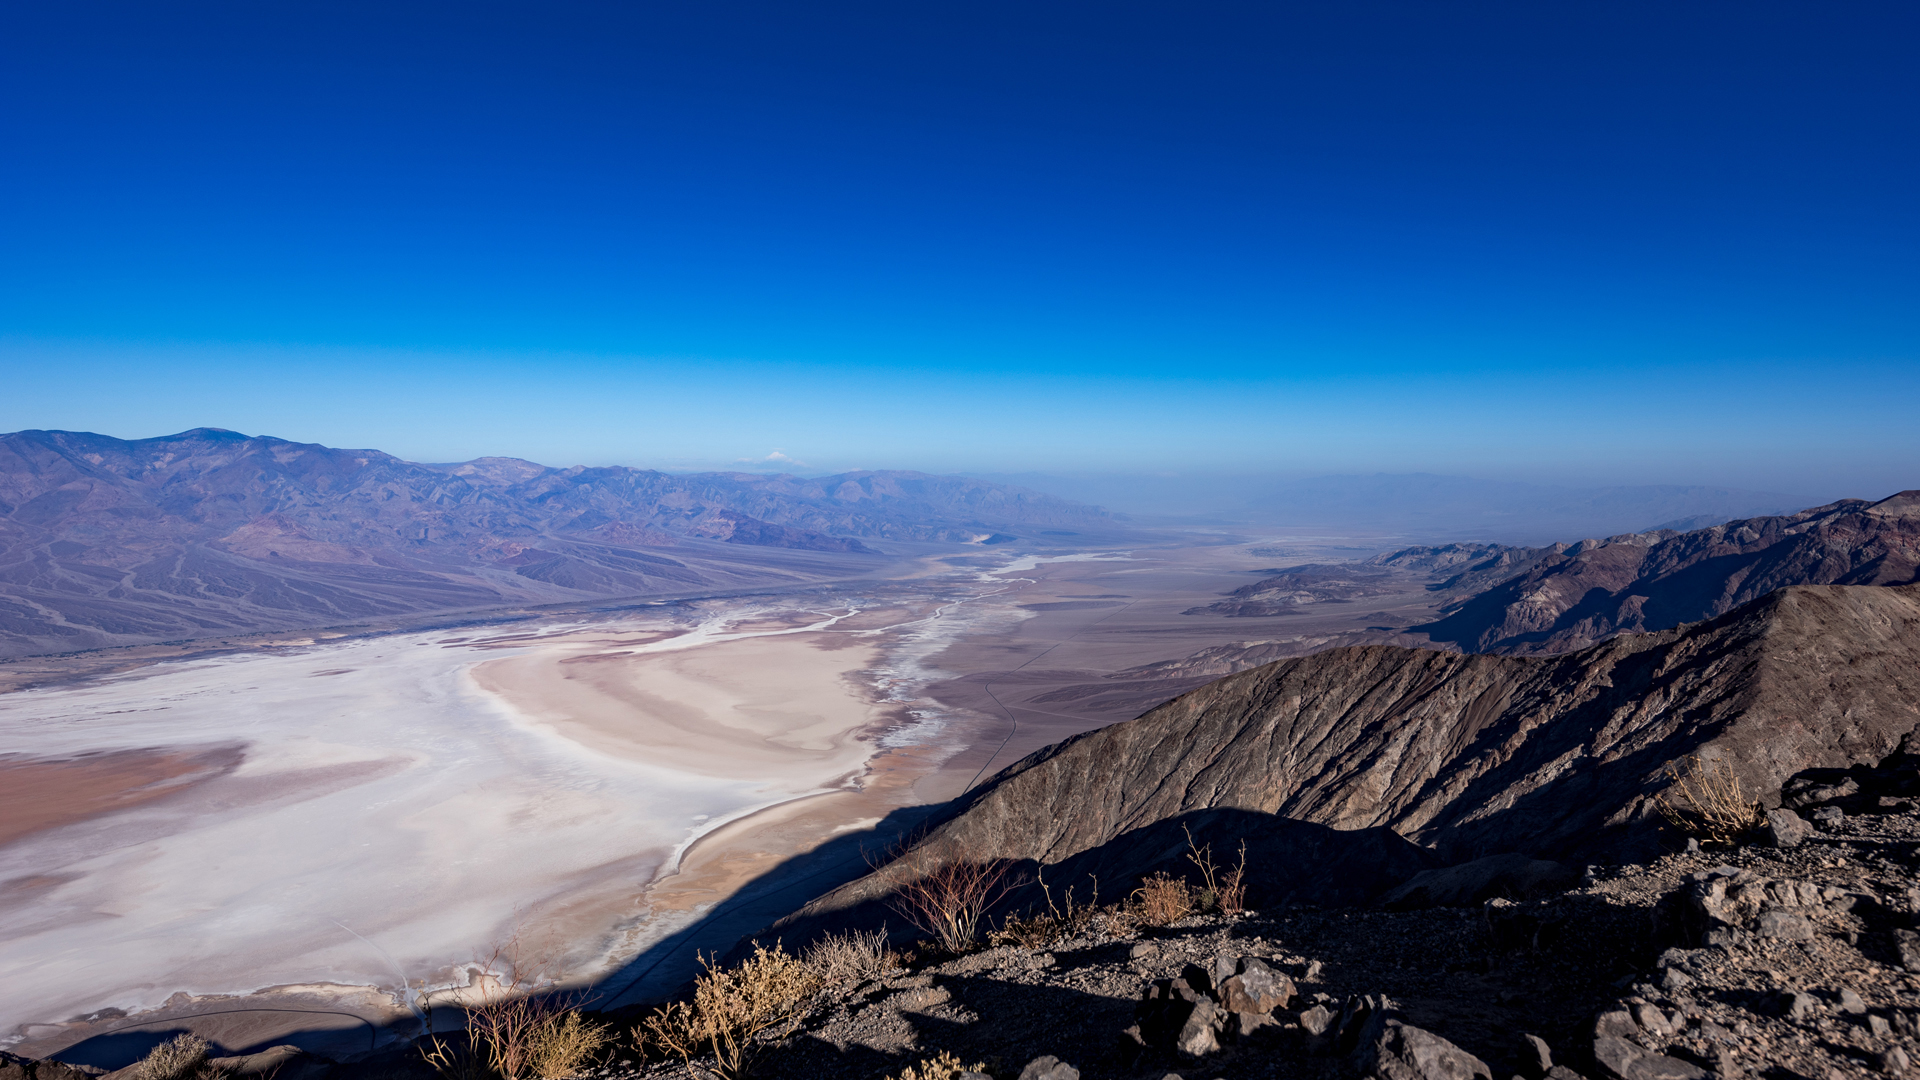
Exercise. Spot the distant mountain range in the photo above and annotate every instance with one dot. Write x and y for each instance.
(1417, 506)
(105, 541)
(1532, 601)
(1560, 598)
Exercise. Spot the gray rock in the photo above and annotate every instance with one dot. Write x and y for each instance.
(1621, 1060)
(1908, 944)
(1894, 1061)
(1652, 1020)
(1879, 1027)
(1403, 1052)
(1048, 1067)
(1260, 990)
(1673, 980)
(1317, 1020)
(1196, 1036)
(1224, 967)
(1828, 816)
(1850, 1002)
(1796, 1006)
(1145, 950)
(1617, 1023)
(1783, 926)
(1246, 1023)
(1541, 1061)
(1784, 829)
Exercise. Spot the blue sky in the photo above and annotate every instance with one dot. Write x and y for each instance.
(1614, 242)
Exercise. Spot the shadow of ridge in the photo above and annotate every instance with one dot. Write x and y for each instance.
(1287, 861)
(658, 972)
(669, 965)
(130, 1040)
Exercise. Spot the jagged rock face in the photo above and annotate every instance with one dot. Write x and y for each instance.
(1562, 598)
(1474, 755)
(105, 541)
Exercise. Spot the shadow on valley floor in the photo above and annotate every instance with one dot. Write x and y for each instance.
(239, 1027)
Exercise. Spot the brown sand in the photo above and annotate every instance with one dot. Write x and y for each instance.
(42, 793)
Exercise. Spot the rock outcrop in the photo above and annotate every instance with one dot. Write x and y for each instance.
(1568, 597)
(1558, 758)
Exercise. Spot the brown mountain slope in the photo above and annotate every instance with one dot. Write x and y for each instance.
(1568, 598)
(1466, 756)
(105, 541)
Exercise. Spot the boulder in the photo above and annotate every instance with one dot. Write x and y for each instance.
(1401, 1051)
(1622, 1060)
(1259, 990)
(1196, 1037)
(1316, 1021)
(1783, 926)
(1784, 829)
(1539, 1056)
(1048, 1067)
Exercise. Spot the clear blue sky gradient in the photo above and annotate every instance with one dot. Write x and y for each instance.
(1596, 241)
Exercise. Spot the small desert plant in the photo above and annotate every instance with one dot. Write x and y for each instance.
(1163, 899)
(941, 1066)
(1705, 800)
(1227, 891)
(851, 957)
(521, 1031)
(730, 1010)
(946, 897)
(1038, 930)
(183, 1057)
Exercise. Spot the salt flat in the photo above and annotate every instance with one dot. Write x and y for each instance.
(373, 814)
(374, 811)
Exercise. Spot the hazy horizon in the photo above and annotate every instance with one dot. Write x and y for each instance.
(1588, 244)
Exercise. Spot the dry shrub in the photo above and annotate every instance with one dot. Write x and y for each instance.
(1705, 800)
(1040, 930)
(851, 957)
(946, 895)
(1163, 899)
(183, 1057)
(941, 1066)
(730, 1010)
(1225, 892)
(521, 1032)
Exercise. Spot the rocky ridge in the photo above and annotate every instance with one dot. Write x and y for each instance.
(1569, 596)
(1415, 754)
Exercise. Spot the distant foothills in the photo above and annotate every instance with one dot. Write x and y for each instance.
(109, 542)
(106, 541)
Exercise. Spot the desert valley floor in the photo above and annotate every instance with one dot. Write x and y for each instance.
(323, 830)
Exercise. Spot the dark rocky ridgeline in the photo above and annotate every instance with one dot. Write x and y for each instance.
(1537, 601)
(1349, 769)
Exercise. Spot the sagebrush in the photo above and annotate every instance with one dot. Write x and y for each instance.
(183, 1057)
(1705, 800)
(1163, 899)
(941, 1066)
(851, 957)
(522, 1031)
(732, 1008)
